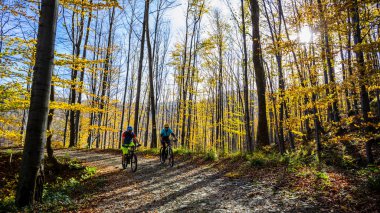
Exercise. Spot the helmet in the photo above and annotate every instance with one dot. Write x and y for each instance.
(129, 128)
(166, 125)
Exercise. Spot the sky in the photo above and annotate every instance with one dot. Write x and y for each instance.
(177, 15)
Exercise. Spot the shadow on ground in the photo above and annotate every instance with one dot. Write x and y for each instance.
(187, 187)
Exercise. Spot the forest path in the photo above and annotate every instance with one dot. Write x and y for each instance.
(187, 187)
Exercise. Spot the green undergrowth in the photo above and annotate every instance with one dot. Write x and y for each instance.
(176, 151)
(58, 196)
(301, 163)
(153, 151)
(211, 155)
(372, 175)
(182, 151)
(63, 180)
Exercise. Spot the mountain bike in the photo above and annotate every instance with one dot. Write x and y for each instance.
(167, 154)
(130, 158)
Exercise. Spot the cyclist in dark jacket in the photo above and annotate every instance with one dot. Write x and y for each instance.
(129, 140)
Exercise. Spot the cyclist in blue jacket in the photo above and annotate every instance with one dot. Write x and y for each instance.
(166, 132)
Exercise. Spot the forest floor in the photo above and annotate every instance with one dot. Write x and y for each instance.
(198, 184)
(187, 187)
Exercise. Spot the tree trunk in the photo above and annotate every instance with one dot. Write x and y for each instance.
(329, 58)
(182, 74)
(139, 75)
(76, 50)
(219, 98)
(35, 139)
(49, 148)
(81, 78)
(147, 123)
(349, 63)
(344, 74)
(151, 91)
(105, 80)
(362, 72)
(378, 103)
(262, 127)
(127, 75)
(360, 59)
(248, 136)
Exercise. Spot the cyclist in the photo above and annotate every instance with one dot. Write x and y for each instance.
(166, 132)
(129, 139)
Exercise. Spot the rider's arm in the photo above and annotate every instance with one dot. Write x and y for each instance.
(123, 136)
(172, 134)
(135, 140)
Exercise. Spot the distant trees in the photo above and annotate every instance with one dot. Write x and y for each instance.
(104, 95)
(226, 82)
(359, 58)
(127, 75)
(362, 72)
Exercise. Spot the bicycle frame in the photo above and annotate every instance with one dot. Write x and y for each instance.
(131, 151)
(128, 157)
(165, 152)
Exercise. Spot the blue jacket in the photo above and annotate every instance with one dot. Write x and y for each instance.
(166, 133)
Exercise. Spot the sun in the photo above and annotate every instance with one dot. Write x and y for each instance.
(305, 34)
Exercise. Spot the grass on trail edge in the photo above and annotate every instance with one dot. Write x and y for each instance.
(63, 181)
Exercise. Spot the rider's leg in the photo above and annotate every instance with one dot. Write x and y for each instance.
(163, 144)
(124, 152)
(167, 142)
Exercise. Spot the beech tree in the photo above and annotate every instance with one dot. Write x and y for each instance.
(32, 160)
(262, 127)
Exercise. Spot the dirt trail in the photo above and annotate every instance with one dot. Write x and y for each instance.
(186, 187)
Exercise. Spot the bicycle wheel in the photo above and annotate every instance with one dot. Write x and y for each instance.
(124, 161)
(170, 157)
(133, 162)
(162, 155)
